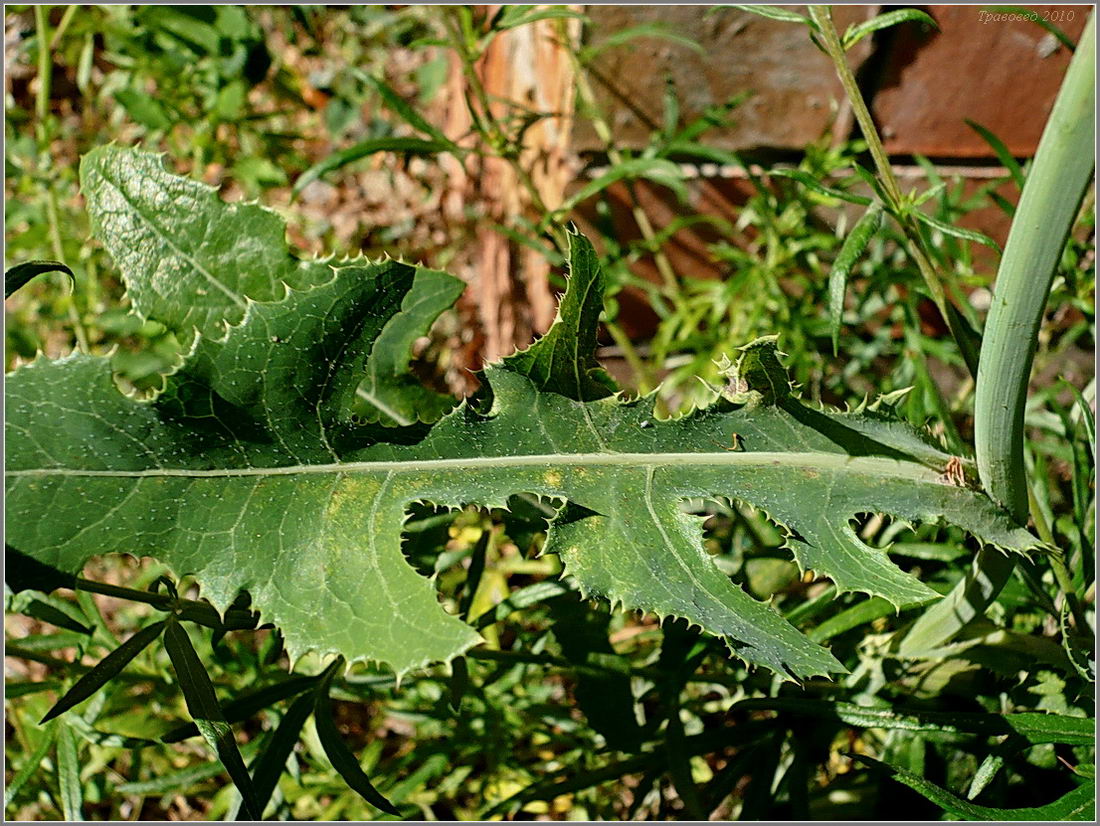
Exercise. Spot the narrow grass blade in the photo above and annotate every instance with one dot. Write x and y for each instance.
(814, 185)
(244, 707)
(1086, 415)
(1027, 728)
(271, 762)
(624, 36)
(985, 774)
(858, 31)
(202, 703)
(780, 13)
(32, 767)
(172, 783)
(520, 16)
(22, 688)
(859, 614)
(473, 575)
(337, 751)
(20, 274)
(459, 682)
(68, 775)
(679, 762)
(1001, 151)
(1036, 18)
(957, 232)
(1076, 805)
(854, 246)
(413, 118)
(966, 337)
(523, 598)
(54, 616)
(363, 149)
(106, 669)
(657, 170)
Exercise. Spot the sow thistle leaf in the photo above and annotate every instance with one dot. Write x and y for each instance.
(253, 470)
(188, 259)
(390, 394)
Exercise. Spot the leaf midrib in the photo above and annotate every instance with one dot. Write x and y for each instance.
(814, 461)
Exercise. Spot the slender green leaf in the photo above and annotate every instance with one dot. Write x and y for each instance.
(173, 782)
(814, 185)
(780, 13)
(1084, 410)
(1032, 728)
(32, 765)
(623, 36)
(459, 682)
(966, 337)
(523, 15)
(657, 170)
(337, 751)
(364, 149)
(606, 699)
(20, 274)
(854, 246)
(1036, 17)
(413, 118)
(1079, 804)
(68, 775)
(857, 31)
(106, 669)
(984, 775)
(244, 707)
(22, 688)
(145, 109)
(522, 598)
(45, 612)
(1003, 155)
(202, 703)
(859, 614)
(271, 761)
(1006, 206)
(957, 232)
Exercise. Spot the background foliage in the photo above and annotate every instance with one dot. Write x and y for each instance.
(570, 710)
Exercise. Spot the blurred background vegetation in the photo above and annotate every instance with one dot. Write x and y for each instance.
(465, 138)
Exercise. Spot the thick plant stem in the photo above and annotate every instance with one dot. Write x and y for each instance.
(1048, 206)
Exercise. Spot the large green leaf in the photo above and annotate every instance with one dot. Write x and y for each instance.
(252, 470)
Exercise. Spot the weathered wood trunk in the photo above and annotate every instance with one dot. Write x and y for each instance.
(527, 68)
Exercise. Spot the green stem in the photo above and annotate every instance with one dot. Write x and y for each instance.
(42, 113)
(964, 337)
(202, 613)
(66, 19)
(1048, 206)
(42, 95)
(646, 381)
(645, 226)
